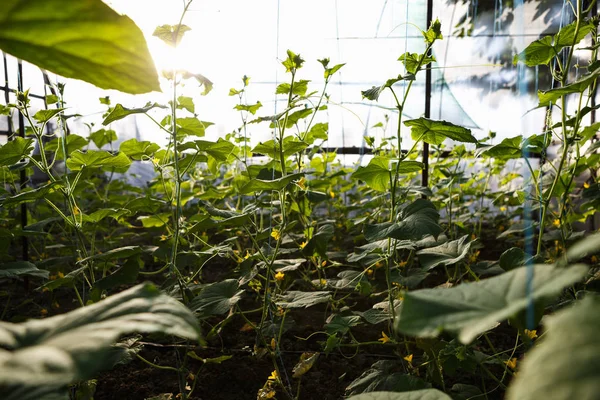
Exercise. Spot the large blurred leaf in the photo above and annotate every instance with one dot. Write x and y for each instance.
(41, 357)
(448, 253)
(416, 220)
(470, 309)
(435, 132)
(82, 39)
(566, 364)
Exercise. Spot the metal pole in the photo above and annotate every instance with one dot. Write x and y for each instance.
(23, 176)
(425, 176)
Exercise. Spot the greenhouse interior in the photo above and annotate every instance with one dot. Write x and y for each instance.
(365, 200)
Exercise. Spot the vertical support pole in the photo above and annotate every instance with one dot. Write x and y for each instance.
(425, 176)
(23, 176)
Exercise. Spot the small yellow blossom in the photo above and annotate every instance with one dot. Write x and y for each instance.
(501, 228)
(402, 264)
(503, 209)
(324, 263)
(274, 376)
(279, 276)
(302, 183)
(512, 363)
(384, 338)
(332, 195)
(247, 256)
(303, 245)
(530, 334)
(586, 185)
(556, 223)
(409, 358)
(273, 344)
(76, 210)
(60, 274)
(594, 259)
(323, 282)
(369, 272)
(275, 234)
(163, 238)
(474, 256)
(44, 312)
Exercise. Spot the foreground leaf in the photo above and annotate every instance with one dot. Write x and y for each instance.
(82, 39)
(566, 364)
(470, 309)
(435, 132)
(425, 394)
(41, 357)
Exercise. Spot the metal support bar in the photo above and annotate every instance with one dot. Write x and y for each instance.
(22, 176)
(428, 78)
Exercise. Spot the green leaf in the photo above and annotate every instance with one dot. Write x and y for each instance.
(138, 150)
(15, 150)
(120, 112)
(435, 132)
(115, 254)
(74, 142)
(171, 34)
(507, 149)
(384, 376)
(330, 71)
(542, 51)
(32, 195)
(84, 40)
(376, 174)
(41, 357)
(307, 360)
(413, 62)
(154, 221)
(219, 150)
(434, 32)
(191, 126)
(299, 88)
(292, 62)
(341, 324)
(552, 95)
(470, 309)
(46, 115)
(318, 242)
(217, 298)
(97, 159)
(258, 185)
(512, 258)
(297, 299)
(186, 103)
(251, 108)
(102, 137)
(566, 364)
(318, 131)
(416, 220)
(271, 147)
(17, 269)
(583, 248)
(125, 275)
(202, 80)
(425, 394)
(448, 253)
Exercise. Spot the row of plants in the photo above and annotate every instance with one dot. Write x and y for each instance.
(458, 289)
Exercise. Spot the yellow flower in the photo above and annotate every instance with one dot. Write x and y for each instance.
(76, 210)
(323, 282)
(332, 195)
(163, 238)
(275, 234)
(302, 183)
(530, 334)
(279, 276)
(61, 275)
(402, 264)
(556, 223)
(273, 344)
(274, 376)
(594, 259)
(409, 358)
(303, 245)
(247, 256)
(369, 272)
(44, 312)
(512, 363)
(503, 209)
(384, 338)
(324, 263)
(586, 185)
